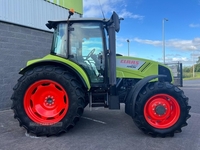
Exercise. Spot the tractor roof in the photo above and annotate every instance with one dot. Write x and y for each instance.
(52, 24)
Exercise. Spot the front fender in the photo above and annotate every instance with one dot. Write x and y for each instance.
(132, 95)
(59, 61)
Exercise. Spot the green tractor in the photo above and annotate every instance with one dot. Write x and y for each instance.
(83, 69)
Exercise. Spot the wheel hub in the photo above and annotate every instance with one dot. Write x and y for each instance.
(49, 100)
(160, 110)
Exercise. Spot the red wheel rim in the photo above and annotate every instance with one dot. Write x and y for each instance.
(161, 111)
(46, 102)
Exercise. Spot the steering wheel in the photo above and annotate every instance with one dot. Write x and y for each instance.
(90, 53)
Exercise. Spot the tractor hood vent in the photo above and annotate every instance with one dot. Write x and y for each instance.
(146, 66)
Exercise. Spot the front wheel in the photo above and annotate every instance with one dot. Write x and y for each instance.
(161, 109)
(48, 100)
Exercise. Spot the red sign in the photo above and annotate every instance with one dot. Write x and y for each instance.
(132, 62)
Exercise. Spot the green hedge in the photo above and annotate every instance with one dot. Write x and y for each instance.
(190, 75)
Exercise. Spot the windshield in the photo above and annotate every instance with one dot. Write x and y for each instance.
(59, 46)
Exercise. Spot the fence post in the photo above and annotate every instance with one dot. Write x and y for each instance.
(181, 75)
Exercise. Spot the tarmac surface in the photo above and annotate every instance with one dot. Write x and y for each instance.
(103, 129)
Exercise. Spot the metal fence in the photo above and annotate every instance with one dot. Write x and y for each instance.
(177, 72)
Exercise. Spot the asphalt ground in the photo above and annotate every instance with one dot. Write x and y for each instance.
(103, 129)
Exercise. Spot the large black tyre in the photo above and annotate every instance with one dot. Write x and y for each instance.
(161, 109)
(48, 100)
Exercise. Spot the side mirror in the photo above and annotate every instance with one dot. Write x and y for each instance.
(116, 20)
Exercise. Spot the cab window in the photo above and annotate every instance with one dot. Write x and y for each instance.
(59, 46)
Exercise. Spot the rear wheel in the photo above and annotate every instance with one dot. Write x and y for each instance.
(48, 100)
(161, 109)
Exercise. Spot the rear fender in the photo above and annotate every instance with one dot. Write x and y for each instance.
(133, 94)
(79, 73)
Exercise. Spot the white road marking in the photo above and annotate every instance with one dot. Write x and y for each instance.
(194, 85)
(6, 110)
(192, 113)
(98, 121)
(31, 136)
(191, 88)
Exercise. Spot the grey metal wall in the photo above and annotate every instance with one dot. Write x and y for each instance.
(32, 13)
(18, 44)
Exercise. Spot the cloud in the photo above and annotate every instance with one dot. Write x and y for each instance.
(119, 44)
(196, 42)
(172, 55)
(92, 8)
(179, 44)
(125, 14)
(180, 59)
(92, 12)
(121, 39)
(175, 58)
(150, 42)
(194, 25)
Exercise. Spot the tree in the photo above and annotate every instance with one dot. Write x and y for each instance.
(197, 67)
(186, 69)
(198, 61)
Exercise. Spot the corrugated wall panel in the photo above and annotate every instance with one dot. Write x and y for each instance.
(77, 5)
(32, 13)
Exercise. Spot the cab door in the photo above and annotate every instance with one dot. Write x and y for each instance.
(86, 48)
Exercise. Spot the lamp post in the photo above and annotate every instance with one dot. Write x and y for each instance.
(193, 63)
(163, 33)
(193, 59)
(128, 46)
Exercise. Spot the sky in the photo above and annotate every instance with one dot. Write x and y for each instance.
(143, 27)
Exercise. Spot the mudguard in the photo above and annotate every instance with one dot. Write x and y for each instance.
(133, 94)
(54, 60)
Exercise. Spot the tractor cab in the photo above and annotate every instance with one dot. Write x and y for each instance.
(85, 42)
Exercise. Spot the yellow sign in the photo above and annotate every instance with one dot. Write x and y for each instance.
(77, 5)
